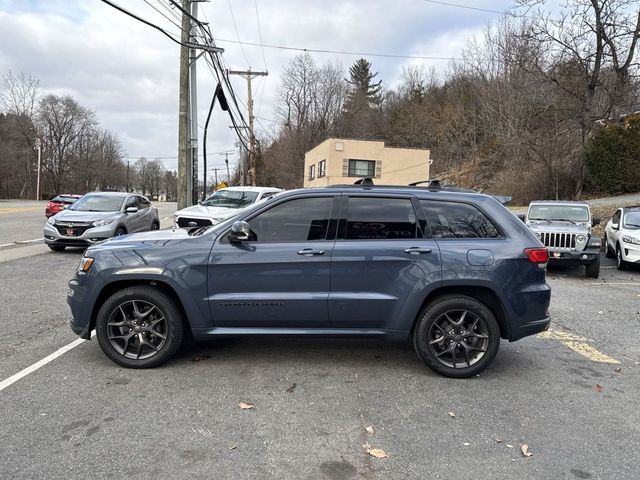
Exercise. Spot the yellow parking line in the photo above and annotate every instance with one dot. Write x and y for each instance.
(18, 209)
(579, 345)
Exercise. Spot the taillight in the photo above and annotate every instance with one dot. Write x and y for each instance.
(537, 255)
(50, 205)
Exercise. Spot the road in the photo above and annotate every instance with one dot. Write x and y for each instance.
(21, 222)
(570, 394)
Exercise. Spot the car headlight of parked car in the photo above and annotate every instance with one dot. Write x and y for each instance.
(628, 239)
(51, 221)
(581, 241)
(103, 222)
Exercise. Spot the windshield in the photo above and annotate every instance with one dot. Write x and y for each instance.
(230, 199)
(567, 213)
(632, 220)
(98, 203)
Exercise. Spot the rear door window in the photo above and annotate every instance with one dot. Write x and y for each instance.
(457, 220)
(377, 218)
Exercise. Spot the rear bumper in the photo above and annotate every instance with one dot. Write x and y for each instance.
(531, 328)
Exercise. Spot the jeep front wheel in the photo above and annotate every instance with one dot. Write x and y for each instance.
(593, 268)
(457, 336)
(139, 327)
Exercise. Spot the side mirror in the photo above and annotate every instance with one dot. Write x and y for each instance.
(595, 221)
(240, 232)
(521, 216)
(131, 210)
(615, 226)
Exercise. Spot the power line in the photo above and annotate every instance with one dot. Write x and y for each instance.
(163, 14)
(152, 25)
(264, 59)
(233, 20)
(467, 7)
(336, 52)
(477, 9)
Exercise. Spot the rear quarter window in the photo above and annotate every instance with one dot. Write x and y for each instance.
(457, 220)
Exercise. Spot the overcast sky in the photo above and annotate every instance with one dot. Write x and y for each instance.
(128, 72)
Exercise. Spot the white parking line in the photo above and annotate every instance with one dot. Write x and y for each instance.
(23, 373)
(20, 242)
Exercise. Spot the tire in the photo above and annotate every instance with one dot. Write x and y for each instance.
(609, 253)
(593, 269)
(119, 232)
(144, 339)
(620, 263)
(57, 248)
(155, 226)
(446, 356)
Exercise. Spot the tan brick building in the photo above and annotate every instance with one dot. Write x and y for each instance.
(342, 161)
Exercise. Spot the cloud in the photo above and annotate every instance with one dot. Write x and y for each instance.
(128, 72)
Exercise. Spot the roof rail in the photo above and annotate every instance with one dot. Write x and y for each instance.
(431, 184)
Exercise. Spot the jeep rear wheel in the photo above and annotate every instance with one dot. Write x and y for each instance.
(139, 327)
(457, 336)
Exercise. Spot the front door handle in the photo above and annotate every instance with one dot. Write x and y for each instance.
(417, 250)
(310, 252)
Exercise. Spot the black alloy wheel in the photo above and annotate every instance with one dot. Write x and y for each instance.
(119, 232)
(155, 226)
(139, 327)
(457, 336)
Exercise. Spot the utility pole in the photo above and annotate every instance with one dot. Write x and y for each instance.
(226, 161)
(193, 104)
(185, 168)
(39, 149)
(215, 171)
(249, 75)
(128, 175)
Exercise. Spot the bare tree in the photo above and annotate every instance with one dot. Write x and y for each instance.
(65, 127)
(590, 53)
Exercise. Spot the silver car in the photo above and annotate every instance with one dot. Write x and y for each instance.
(98, 216)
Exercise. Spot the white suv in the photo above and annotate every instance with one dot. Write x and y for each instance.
(622, 236)
(224, 203)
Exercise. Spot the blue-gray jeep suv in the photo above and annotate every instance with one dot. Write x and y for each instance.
(454, 272)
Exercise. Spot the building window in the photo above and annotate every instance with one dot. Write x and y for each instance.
(362, 168)
(322, 168)
(312, 171)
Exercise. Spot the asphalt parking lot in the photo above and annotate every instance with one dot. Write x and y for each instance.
(570, 394)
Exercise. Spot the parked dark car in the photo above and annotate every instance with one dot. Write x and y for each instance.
(454, 272)
(59, 203)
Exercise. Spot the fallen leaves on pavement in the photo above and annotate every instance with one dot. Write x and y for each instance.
(376, 452)
(451, 414)
(291, 388)
(245, 406)
(598, 388)
(524, 448)
(369, 429)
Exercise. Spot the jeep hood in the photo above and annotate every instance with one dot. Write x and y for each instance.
(560, 227)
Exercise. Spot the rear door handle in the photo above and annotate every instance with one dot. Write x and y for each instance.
(310, 252)
(417, 250)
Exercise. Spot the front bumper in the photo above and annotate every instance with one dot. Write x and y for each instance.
(81, 306)
(91, 236)
(630, 252)
(584, 257)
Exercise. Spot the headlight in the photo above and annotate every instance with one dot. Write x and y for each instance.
(85, 264)
(51, 221)
(628, 239)
(581, 241)
(103, 222)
